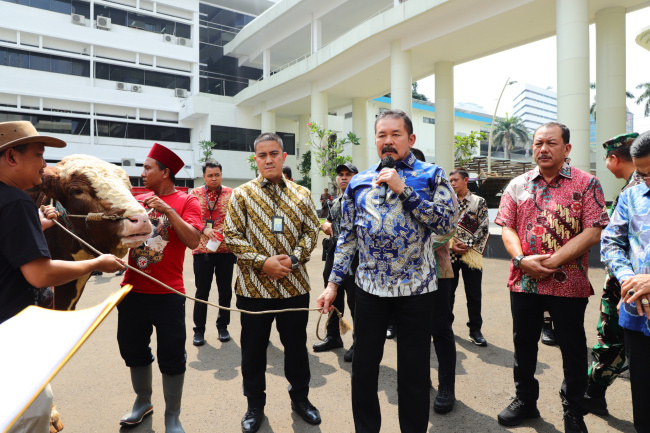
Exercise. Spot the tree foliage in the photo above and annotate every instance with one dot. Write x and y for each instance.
(252, 164)
(206, 149)
(304, 168)
(329, 150)
(464, 147)
(506, 133)
(644, 97)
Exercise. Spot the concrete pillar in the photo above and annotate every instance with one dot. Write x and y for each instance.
(316, 35)
(610, 88)
(365, 151)
(268, 119)
(319, 115)
(400, 78)
(303, 137)
(266, 63)
(572, 26)
(444, 135)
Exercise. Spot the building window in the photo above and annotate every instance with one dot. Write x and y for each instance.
(221, 75)
(43, 62)
(125, 74)
(241, 139)
(66, 7)
(143, 22)
(429, 120)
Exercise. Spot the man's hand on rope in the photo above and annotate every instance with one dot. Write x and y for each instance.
(47, 214)
(108, 263)
(327, 297)
(276, 267)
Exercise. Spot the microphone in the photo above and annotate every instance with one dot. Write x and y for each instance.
(387, 162)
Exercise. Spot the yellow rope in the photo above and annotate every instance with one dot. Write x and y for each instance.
(344, 325)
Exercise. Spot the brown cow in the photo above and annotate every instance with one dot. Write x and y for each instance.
(83, 184)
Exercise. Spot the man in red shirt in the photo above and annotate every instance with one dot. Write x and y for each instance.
(213, 199)
(149, 304)
(550, 216)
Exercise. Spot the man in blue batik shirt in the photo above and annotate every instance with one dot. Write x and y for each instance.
(396, 273)
(625, 249)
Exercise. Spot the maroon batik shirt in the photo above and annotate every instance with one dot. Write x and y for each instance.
(546, 216)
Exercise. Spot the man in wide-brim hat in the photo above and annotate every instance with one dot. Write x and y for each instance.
(25, 262)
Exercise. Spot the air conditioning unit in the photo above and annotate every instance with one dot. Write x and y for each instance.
(103, 23)
(78, 19)
(184, 42)
(136, 88)
(170, 39)
(122, 86)
(180, 93)
(128, 162)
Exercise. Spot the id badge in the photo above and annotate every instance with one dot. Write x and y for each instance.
(277, 224)
(209, 223)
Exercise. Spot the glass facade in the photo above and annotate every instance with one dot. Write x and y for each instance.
(46, 123)
(62, 6)
(125, 74)
(43, 62)
(241, 139)
(219, 74)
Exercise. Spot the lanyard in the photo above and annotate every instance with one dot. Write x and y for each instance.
(215, 203)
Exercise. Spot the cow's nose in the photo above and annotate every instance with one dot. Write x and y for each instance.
(140, 221)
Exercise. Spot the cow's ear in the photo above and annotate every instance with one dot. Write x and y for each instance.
(51, 185)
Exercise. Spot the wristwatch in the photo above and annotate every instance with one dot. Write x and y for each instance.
(406, 193)
(517, 260)
(294, 262)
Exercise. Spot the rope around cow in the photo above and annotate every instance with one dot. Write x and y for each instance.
(344, 325)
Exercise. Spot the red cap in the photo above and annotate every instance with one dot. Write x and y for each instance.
(166, 157)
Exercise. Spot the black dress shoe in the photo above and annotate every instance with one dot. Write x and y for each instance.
(252, 420)
(477, 338)
(390, 332)
(224, 335)
(548, 336)
(198, 339)
(328, 343)
(307, 411)
(349, 354)
(444, 402)
(517, 412)
(574, 423)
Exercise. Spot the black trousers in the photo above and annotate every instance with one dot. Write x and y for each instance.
(413, 316)
(568, 316)
(444, 342)
(472, 279)
(255, 332)
(138, 313)
(639, 346)
(221, 266)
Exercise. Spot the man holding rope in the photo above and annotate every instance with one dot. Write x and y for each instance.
(25, 263)
(148, 304)
(396, 276)
(271, 227)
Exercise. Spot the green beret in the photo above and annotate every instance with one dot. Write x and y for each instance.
(620, 141)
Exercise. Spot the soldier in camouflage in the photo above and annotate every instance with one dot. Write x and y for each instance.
(609, 352)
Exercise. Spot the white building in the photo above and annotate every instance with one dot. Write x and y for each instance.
(112, 77)
(535, 106)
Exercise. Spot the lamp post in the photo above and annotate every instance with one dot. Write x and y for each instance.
(489, 155)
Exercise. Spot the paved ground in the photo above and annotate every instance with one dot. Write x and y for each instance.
(93, 390)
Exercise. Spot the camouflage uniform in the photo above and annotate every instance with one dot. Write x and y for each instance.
(609, 352)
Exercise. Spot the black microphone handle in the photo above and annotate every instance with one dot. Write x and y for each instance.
(382, 193)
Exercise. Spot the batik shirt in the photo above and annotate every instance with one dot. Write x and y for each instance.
(249, 235)
(218, 202)
(546, 216)
(473, 211)
(625, 247)
(395, 242)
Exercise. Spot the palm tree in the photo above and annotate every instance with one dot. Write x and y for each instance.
(507, 131)
(644, 96)
(592, 109)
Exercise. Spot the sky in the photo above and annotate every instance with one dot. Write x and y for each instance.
(481, 81)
